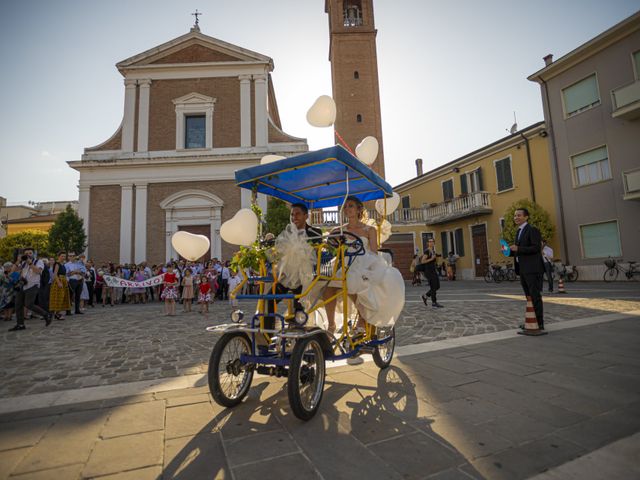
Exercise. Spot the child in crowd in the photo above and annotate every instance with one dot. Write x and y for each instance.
(204, 294)
(233, 282)
(187, 290)
(170, 291)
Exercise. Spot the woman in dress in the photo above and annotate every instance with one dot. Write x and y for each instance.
(374, 285)
(59, 300)
(170, 291)
(138, 292)
(187, 290)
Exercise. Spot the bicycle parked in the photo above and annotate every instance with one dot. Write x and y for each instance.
(567, 272)
(509, 273)
(495, 274)
(614, 267)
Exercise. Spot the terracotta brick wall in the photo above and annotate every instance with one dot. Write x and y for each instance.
(226, 116)
(196, 53)
(276, 136)
(115, 143)
(156, 229)
(104, 223)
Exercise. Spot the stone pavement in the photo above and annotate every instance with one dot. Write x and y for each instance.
(129, 343)
(502, 409)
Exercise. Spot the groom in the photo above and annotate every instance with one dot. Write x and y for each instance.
(299, 216)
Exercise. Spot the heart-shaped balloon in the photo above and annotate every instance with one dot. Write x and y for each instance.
(242, 229)
(392, 204)
(270, 158)
(323, 112)
(189, 245)
(367, 150)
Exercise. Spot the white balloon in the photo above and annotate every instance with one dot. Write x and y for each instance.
(392, 204)
(367, 150)
(323, 112)
(270, 158)
(242, 229)
(189, 245)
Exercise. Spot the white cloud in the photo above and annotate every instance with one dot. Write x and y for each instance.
(45, 153)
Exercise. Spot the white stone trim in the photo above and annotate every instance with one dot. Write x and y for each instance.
(192, 207)
(245, 110)
(140, 253)
(84, 198)
(129, 114)
(143, 115)
(196, 70)
(126, 212)
(194, 103)
(262, 132)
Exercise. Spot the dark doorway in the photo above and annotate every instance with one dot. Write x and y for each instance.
(480, 253)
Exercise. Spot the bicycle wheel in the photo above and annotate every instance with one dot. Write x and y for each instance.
(229, 379)
(611, 274)
(573, 275)
(306, 378)
(488, 277)
(498, 276)
(382, 354)
(511, 275)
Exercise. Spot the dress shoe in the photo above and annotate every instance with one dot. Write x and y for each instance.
(47, 320)
(79, 313)
(424, 299)
(17, 327)
(437, 305)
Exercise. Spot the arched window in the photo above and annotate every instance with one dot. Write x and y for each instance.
(359, 118)
(356, 75)
(352, 13)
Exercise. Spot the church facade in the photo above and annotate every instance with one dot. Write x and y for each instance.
(196, 109)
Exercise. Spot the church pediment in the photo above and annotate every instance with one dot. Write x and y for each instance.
(191, 48)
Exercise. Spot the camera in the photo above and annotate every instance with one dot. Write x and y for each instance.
(24, 258)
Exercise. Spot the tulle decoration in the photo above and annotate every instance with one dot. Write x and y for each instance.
(296, 258)
(385, 229)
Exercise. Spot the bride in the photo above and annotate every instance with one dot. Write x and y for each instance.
(374, 286)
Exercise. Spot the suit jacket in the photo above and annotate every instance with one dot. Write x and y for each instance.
(529, 256)
(313, 232)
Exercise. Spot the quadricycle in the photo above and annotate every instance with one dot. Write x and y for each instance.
(295, 344)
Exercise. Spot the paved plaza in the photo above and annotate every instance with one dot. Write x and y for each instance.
(119, 393)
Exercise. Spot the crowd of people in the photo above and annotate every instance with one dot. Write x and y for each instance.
(68, 284)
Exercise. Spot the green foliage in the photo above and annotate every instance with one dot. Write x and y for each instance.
(538, 217)
(67, 233)
(277, 217)
(27, 238)
(248, 257)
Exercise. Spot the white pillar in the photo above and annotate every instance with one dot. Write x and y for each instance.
(143, 115)
(129, 115)
(126, 210)
(83, 210)
(141, 223)
(260, 82)
(208, 124)
(245, 110)
(216, 242)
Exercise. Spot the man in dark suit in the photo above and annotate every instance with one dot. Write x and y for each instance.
(299, 217)
(528, 260)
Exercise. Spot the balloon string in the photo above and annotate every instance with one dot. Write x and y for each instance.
(344, 144)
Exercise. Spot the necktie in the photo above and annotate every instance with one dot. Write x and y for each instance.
(519, 232)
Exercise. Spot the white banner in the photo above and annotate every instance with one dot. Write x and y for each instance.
(122, 283)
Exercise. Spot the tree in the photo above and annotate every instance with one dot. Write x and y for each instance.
(67, 233)
(36, 239)
(277, 217)
(538, 217)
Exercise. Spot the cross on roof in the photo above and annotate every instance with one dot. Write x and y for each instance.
(196, 15)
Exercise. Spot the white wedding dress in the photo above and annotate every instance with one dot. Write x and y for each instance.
(378, 287)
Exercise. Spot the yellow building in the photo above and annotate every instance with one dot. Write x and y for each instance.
(38, 222)
(462, 203)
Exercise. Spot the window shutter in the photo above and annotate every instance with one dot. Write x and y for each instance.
(508, 181)
(480, 184)
(445, 246)
(499, 175)
(459, 242)
(463, 183)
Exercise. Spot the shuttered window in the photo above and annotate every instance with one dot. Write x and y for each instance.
(503, 174)
(447, 190)
(445, 243)
(581, 96)
(601, 240)
(591, 167)
(459, 236)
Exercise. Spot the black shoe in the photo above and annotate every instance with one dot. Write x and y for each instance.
(424, 299)
(521, 327)
(437, 305)
(17, 327)
(47, 320)
(69, 312)
(79, 313)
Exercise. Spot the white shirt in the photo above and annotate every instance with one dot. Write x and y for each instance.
(547, 253)
(32, 277)
(520, 229)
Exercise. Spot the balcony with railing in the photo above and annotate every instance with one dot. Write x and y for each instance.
(464, 206)
(626, 101)
(475, 203)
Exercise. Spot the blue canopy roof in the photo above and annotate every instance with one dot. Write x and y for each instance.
(318, 179)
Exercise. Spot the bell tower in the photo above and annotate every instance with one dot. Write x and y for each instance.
(354, 72)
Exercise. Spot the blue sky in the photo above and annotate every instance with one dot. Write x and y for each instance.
(451, 73)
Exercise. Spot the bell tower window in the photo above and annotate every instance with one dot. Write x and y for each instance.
(356, 75)
(359, 118)
(352, 13)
